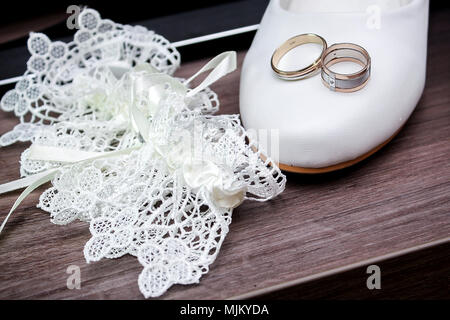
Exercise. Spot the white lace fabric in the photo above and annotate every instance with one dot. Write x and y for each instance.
(169, 200)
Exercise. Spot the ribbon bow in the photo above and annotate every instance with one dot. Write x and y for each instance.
(197, 173)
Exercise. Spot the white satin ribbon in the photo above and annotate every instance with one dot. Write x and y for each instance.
(222, 64)
(34, 182)
(46, 153)
(225, 193)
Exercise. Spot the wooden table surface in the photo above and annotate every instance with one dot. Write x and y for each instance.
(395, 202)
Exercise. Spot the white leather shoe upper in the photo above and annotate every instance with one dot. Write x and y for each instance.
(318, 127)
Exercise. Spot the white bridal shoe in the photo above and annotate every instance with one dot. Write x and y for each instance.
(321, 130)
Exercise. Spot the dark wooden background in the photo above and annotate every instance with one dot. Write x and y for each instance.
(313, 241)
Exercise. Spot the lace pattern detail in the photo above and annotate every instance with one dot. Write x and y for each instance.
(44, 94)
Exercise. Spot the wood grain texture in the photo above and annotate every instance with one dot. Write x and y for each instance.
(397, 199)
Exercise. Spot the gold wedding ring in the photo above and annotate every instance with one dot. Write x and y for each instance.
(292, 43)
(346, 52)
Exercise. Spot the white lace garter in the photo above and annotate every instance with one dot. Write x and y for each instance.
(136, 153)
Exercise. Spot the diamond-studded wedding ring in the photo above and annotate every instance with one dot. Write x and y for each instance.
(292, 43)
(345, 52)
